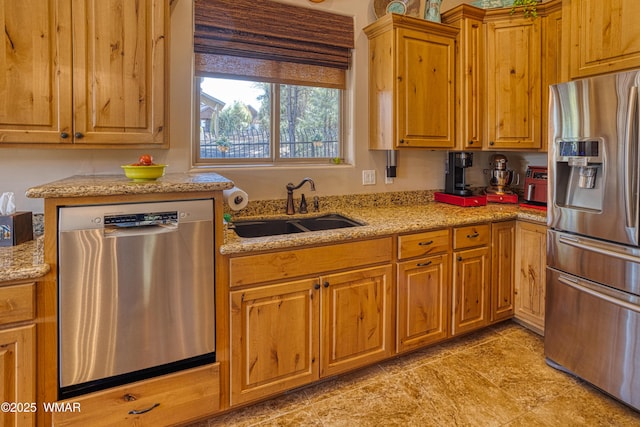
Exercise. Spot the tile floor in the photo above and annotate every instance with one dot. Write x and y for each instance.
(495, 377)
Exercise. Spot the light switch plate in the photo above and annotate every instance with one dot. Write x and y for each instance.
(368, 177)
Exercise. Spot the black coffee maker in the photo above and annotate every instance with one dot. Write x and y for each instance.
(457, 162)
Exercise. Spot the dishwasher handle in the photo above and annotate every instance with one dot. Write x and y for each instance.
(142, 230)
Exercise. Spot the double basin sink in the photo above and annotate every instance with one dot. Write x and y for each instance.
(273, 227)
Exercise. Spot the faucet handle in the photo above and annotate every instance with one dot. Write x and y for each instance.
(303, 205)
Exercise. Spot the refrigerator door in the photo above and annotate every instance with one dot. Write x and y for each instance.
(611, 264)
(591, 332)
(602, 114)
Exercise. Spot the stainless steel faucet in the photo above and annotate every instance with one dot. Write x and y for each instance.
(290, 187)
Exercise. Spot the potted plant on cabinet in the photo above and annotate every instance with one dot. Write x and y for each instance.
(529, 8)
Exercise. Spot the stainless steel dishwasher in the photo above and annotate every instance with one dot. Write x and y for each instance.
(135, 292)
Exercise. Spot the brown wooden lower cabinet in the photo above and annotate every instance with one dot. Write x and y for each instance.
(503, 247)
(530, 274)
(424, 301)
(17, 354)
(167, 400)
(279, 342)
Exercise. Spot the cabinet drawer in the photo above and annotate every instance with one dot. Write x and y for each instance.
(292, 263)
(167, 400)
(17, 303)
(470, 236)
(420, 244)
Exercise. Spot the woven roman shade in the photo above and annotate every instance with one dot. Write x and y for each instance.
(250, 36)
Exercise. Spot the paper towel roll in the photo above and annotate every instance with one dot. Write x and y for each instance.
(235, 198)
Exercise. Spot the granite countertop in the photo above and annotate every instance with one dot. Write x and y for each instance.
(114, 185)
(383, 218)
(383, 221)
(24, 261)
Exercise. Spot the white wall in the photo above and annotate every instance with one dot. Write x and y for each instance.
(417, 170)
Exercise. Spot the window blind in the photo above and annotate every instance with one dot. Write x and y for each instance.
(270, 32)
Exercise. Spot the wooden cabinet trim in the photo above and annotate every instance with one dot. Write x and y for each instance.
(181, 397)
(17, 303)
(285, 265)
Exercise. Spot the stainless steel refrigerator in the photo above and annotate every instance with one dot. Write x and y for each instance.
(592, 321)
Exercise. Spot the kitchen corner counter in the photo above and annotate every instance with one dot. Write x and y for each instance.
(115, 185)
(23, 262)
(381, 221)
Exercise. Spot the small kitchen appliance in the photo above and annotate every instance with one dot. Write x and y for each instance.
(535, 187)
(456, 191)
(455, 182)
(499, 189)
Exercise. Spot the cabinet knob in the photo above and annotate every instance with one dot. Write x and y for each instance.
(326, 284)
(491, 143)
(459, 258)
(470, 142)
(316, 286)
(402, 141)
(78, 135)
(64, 135)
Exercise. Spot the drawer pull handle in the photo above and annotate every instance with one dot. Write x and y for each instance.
(425, 243)
(423, 264)
(473, 236)
(143, 411)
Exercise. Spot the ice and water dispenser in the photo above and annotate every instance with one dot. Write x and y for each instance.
(579, 173)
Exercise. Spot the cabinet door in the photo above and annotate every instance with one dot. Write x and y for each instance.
(502, 268)
(425, 90)
(119, 71)
(470, 84)
(471, 289)
(35, 93)
(513, 84)
(17, 370)
(531, 260)
(424, 301)
(605, 36)
(357, 318)
(274, 338)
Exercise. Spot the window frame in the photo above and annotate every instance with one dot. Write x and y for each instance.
(274, 160)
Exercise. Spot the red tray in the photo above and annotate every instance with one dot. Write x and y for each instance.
(502, 198)
(466, 201)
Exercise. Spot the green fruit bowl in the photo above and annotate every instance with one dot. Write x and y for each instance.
(144, 173)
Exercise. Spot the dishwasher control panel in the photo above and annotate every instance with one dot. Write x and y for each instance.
(141, 219)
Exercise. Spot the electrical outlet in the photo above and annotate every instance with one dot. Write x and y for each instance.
(368, 177)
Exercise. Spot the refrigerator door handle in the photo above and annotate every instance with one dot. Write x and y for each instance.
(631, 163)
(599, 247)
(614, 297)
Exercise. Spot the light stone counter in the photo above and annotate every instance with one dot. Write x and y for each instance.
(114, 185)
(23, 262)
(381, 221)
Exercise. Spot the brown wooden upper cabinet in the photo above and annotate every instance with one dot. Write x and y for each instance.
(504, 65)
(604, 36)
(411, 83)
(513, 83)
(88, 73)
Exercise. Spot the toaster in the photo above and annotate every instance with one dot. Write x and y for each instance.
(535, 185)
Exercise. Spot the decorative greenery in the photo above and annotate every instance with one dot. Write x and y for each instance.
(529, 8)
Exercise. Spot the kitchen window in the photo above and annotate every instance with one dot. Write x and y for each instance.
(248, 122)
(269, 83)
